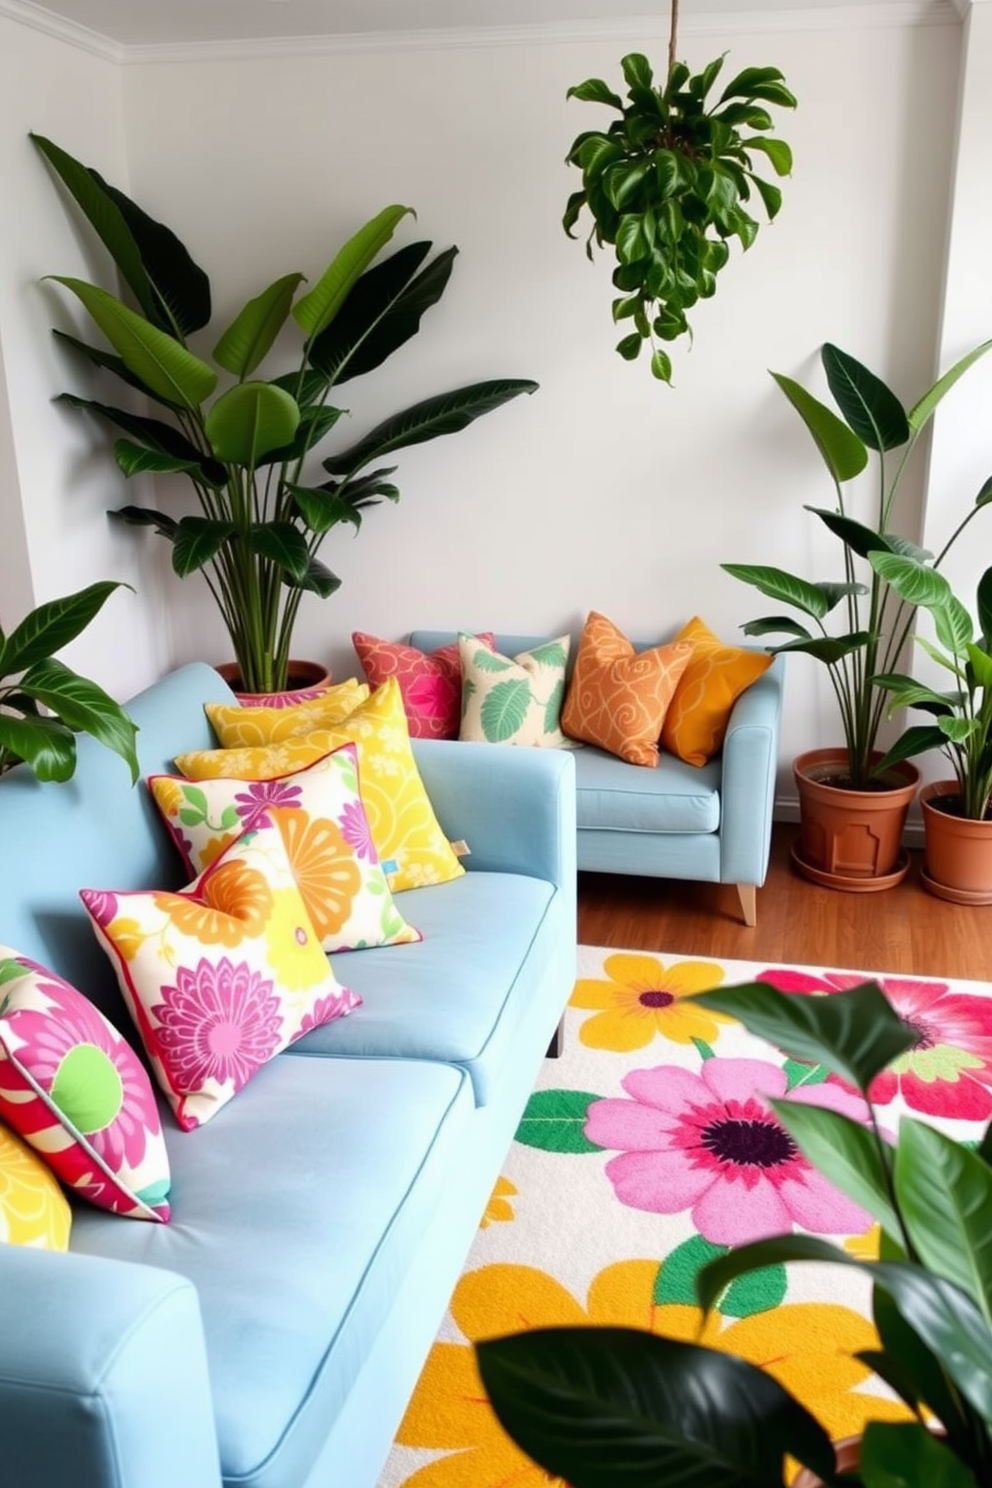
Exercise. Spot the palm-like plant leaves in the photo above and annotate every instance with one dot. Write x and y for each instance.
(318, 307)
(871, 409)
(253, 330)
(843, 452)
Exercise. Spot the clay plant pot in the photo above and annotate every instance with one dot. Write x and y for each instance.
(307, 679)
(848, 1454)
(851, 839)
(958, 850)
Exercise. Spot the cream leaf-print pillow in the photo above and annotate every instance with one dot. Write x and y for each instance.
(514, 700)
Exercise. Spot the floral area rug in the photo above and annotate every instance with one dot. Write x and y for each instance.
(648, 1149)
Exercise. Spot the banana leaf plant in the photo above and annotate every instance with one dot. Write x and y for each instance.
(597, 1407)
(44, 704)
(667, 185)
(247, 446)
(876, 619)
(962, 727)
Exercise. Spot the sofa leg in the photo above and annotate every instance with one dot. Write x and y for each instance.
(556, 1048)
(748, 895)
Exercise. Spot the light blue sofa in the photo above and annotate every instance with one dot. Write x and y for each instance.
(711, 823)
(271, 1334)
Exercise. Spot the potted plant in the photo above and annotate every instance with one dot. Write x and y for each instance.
(602, 1406)
(44, 703)
(247, 449)
(957, 823)
(853, 802)
(667, 186)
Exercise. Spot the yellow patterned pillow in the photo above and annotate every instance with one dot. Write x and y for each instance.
(237, 727)
(412, 848)
(714, 679)
(33, 1209)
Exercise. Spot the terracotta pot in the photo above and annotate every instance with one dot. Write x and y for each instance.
(958, 851)
(848, 1454)
(307, 679)
(851, 839)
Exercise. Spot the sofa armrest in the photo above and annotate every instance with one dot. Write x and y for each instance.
(103, 1375)
(514, 808)
(747, 790)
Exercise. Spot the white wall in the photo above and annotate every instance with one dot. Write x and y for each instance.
(604, 490)
(54, 534)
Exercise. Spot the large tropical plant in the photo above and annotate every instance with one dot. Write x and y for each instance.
(667, 185)
(599, 1407)
(875, 618)
(247, 447)
(44, 704)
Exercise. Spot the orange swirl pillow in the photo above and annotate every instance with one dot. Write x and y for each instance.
(618, 697)
(717, 674)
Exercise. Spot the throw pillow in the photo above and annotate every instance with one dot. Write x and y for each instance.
(33, 1209)
(618, 697)
(513, 700)
(77, 1093)
(412, 848)
(220, 976)
(326, 833)
(714, 679)
(430, 681)
(238, 727)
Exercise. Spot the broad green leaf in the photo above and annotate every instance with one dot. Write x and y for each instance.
(315, 424)
(365, 490)
(636, 70)
(111, 363)
(83, 707)
(661, 365)
(594, 90)
(912, 1370)
(630, 346)
(911, 580)
(913, 741)
(855, 1033)
(318, 308)
(53, 625)
(828, 649)
(771, 196)
(776, 625)
(249, 421)
(318, 579)
(138, 459)
(598, 1406)
(845, 1152)
(984, 600)
(945, 1195)
(957, 730)
(871, 409)
(760, 82)
(854, 535)
(444, 414)
(282, 544)
(45, 744)
(161, 362)
(554, 1121)
(146, 516)
(253, 330)
(180, 288)
(981, 665)
(924, 408)
(775, 583)
(953, 626)
(195, 541)
(152, 432)
(504, 710)
(322, 510)
(777, 151)
(905, 1454)
(842, 451)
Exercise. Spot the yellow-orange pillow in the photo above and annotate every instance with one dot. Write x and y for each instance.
(412, 848)
(618, 697)
(717, 674)
(237, 727)
(33, 1209)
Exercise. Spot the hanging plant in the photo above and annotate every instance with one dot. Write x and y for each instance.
(666, 185)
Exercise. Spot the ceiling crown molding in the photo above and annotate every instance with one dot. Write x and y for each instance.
(39, 19)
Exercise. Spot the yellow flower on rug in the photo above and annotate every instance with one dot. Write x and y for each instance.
(641, 999)
(499, 1207)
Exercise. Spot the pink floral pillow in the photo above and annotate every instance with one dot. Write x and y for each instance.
(78, 1094)
(430, 682)
(222, 975)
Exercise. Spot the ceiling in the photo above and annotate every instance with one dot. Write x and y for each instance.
(141, 23)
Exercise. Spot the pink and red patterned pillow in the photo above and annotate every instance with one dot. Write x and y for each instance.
(78, 1094)
(430, 682)
(222, 975)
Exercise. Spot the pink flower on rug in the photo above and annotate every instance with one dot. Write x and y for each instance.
(712, 1144)
(253, 804)
(948, 1071)
(218, 1022)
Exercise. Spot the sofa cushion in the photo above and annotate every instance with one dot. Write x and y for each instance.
(717, 674)
(294, 1213)
(239, 727)
(513, 700)
(33, 1209)
(458, 995)
(429, 681)
(78, 1094)
(220, 976)
(676, 797)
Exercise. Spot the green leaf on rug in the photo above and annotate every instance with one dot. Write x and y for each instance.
(553, 1120)
(676, 1281)
(798, 1072)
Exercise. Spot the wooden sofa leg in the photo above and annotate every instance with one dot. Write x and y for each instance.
(556, 1048)
(748, 895)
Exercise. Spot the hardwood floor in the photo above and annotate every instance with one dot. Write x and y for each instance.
(904, 929)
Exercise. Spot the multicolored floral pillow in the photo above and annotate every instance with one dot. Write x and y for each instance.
(412, 848)
(326, 832)
(78, 1093)
(33, 1209)
(429, 681)
(239, 727)
(513, 700)
(220, 976)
